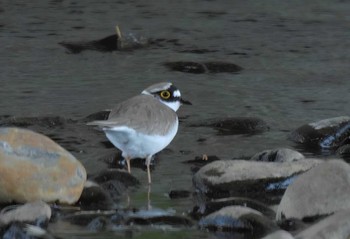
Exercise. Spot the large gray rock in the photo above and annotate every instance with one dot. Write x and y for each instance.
(238, 177)
(278, 155)
(33, 167)
(326, 134)
(336, 226)
(237, 218)
(321, 191)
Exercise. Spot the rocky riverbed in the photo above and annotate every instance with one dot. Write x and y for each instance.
(263, 151)
(277, 192)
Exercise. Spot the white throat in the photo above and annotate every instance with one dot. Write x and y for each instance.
(175, 105)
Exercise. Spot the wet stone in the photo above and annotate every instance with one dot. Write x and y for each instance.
(209, 206)
(248, 178)
(115, 182)
(29, 212)
(235, 125)
(327, 134)
(308, 197)
(33, 167)
(106, 44)
(95, 197)
(278, 155)
(238, 218)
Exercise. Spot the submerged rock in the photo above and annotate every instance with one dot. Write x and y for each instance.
(321, 191)
(336, 226)
(33, 167)
(238, 218)
(200, 68)
(235, 125)
(325, 134)
(248, 178)
(115, 182)
(94, 197)
(116, 42)
(278, 155)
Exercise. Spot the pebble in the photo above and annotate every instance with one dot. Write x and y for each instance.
(237, 218)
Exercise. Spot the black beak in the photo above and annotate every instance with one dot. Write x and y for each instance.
(185, 102)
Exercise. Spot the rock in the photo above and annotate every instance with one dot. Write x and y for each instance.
(115, 42)
(235, 125)
(278, 155)
(94, 197)
(325, 134)
(200, 68)
(336, 226)
(309, 195)
(33, 167)
(248, 178)
(115, 182)
(280, 234)
(204, 208)
(237, 218)
(29, 212)
(93, 220)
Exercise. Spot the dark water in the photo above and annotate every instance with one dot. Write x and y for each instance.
(295, 56)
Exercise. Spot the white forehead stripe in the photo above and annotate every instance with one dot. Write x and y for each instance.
(177, 93)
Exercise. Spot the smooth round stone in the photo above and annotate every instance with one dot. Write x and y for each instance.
(28, 212)
(33, 167)
(322, 190)
(237, 218)
(239, 177)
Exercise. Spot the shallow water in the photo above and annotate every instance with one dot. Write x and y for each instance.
(295, 56)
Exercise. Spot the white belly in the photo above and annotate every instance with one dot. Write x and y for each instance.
(138, 145)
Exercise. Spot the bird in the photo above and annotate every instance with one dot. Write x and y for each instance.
(145, 124)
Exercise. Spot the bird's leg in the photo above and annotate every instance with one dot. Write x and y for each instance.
(148, 162)
(149, 206)
(127, 159)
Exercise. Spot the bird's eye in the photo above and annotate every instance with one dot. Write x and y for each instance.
(165, 94)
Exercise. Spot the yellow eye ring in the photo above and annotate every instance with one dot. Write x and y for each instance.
(165, 94)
